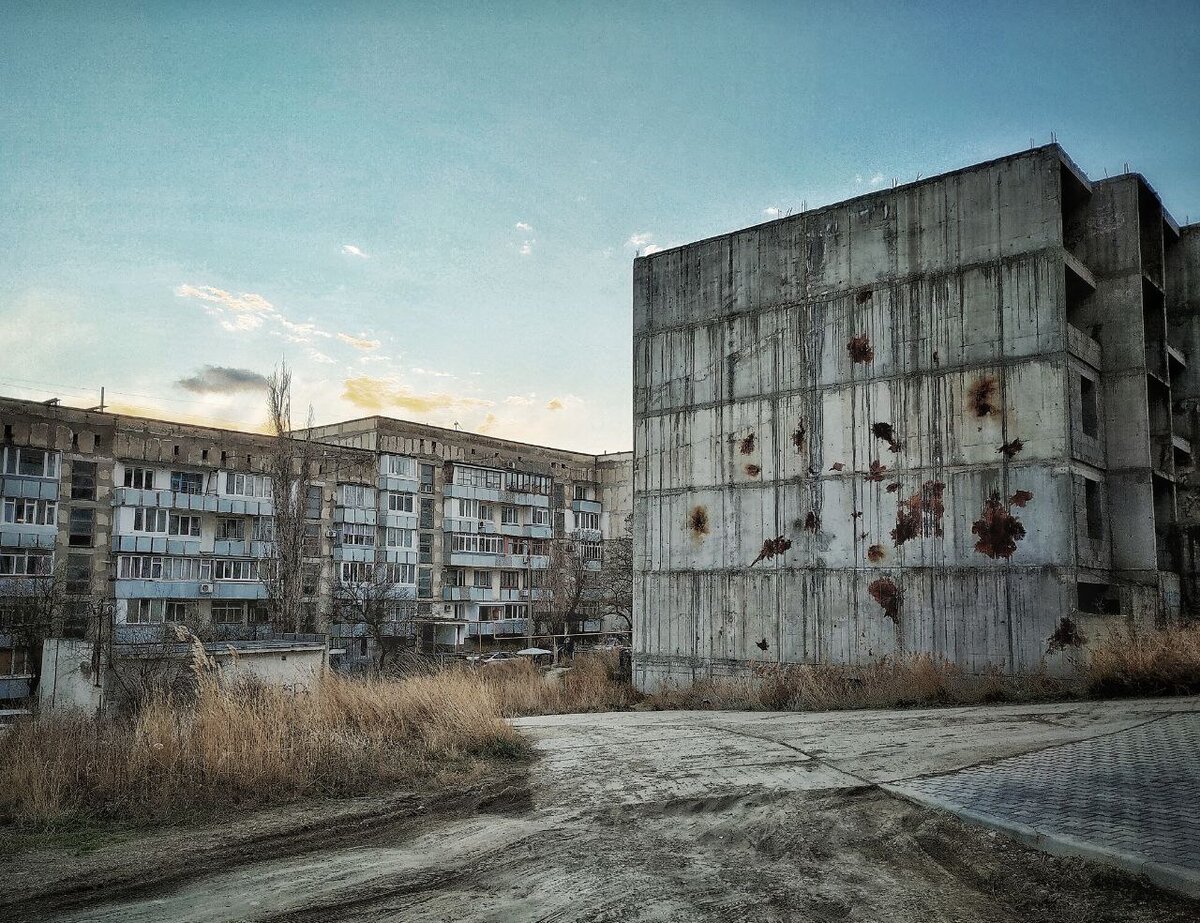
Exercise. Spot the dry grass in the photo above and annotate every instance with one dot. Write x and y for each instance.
(592, 684)
(251, 745)
(1131, 661)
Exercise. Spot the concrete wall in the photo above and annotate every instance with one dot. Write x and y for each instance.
(69, 680)
(883, 390)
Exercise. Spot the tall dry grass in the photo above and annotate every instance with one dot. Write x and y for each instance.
(1135, 661)
(593, 683)
(250, 745)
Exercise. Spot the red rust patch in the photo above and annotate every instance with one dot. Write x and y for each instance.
(998, 530)
(812, 522)
(1009, 449)
(753, 470)
(885, 432)
(772, 547)
(921, 514)
(1021, 497)
(698, 521)
(860, 349)
(1067, 634)
(748, 444)
(876, 472)
(798, 437)
(893, 487)
(836, 466)
(981, 398)
(875, 553)
(885, 592)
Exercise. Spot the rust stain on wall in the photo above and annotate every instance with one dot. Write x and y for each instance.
(876, 472)
(875, 553)
(1021, 497)
(921, 514)
(893, 487)
(753, 470)
(885, 592)
(860, 349)
(798, 437)
(981, 397)
(698, 522)
(885, 432)
(998, 530)
(748, 444)
(812, 522)
(1067, 634)
(772, 547)
(836, 466)
(1009, 449)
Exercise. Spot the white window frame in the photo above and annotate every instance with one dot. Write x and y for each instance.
(150, 520)
(400, 503)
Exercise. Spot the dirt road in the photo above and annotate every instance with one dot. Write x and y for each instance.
(655, 816)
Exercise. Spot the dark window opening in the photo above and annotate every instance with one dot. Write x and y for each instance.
(83, 480)
(1094, 507)
(1098, 599)
(80, 528)
(1089, 407)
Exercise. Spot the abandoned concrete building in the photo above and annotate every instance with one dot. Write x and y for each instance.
(942, 417)
(139, 525)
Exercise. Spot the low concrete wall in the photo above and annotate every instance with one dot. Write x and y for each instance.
(68, 680)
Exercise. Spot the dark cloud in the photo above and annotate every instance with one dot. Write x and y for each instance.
(217, 379)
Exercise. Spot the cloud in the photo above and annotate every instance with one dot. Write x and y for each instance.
(317, 356)
(526, 248)
(154, 412)
(359, 342)
(241, 303)
(220, 379)
(554, 404)
(876, 179)
(488, 424)
(652, 248)
(241, 312)
(639, 240)
(351, 250)
(516, 400)
(772, 212)
(420, 371)
(523, 226)
(384, 393)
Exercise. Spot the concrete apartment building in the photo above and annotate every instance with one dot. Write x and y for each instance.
(168, 524)
(941, 417)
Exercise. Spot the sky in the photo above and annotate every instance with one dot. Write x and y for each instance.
(431, 211)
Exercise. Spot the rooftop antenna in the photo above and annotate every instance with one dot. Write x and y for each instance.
(101, 407)
(456, 424)
(1054, 137)
(1126, 166)
(1031, 144)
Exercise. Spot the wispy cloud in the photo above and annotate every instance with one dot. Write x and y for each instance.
(772, 211)
(359, 342)
(431, 372)
(317, 356)
(384, 393)
(554, 404)
(876, 179)
(651, 248)
(526, 248)
(241, 312)
(351, 250)
(523, 226)
(220, 379)
(639, 240)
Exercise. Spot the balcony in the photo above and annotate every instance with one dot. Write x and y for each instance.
(355, 514)
(586, 506)
(203, 503)
(28, 488)
(467, 594)
(151, 543)
(494, 495)
(496, 629)
(24, 535)
(525, 531)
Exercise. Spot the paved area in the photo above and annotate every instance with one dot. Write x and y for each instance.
(1131, 798)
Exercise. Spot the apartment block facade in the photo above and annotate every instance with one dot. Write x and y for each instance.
(943, 417)
(168, 523)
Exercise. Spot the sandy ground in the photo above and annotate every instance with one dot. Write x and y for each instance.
(643, 816)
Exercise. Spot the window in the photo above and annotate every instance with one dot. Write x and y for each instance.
(187, 482)
(1089, 407)
(145, 612)
(140, 478)
(399, 538)
(527, 483)
(184, 525)
(510, 516)
(541, 516)
(476, 544)
(466, 476)
(510, 580)
(29, 512)
(452, 576)
(426, 549)
(15, 661)
(402, 573)
(485, 513)
(581, 492)
(310, 579)
(426, 520)
(30, 463)
(425, 582)
(312, 539)
(25, 563)
(356, 571)
(357, 496)
(358, 533)
(400, 503)
(149, 520)
(427, 476)
(79, 534)
(483, 580)
(177, 610)
(231, 530)
(186, 569)
(399, 466)
(228, 613)
(587, 521)
(1098, 598)
(247, 485)
(1094, 509)
(589, 551)
(79, 574)
(313, 503)
(468, 509)
(264, 529)
(226, 569)
(139, 567)
(83, 480)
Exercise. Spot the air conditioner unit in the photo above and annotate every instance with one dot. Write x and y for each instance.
(206, 589)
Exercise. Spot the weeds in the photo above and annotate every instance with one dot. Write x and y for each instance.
(1132, 661)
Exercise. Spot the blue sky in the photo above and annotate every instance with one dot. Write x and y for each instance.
(432, 211)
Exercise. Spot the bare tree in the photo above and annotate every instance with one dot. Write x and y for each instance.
(384, 606)
(31, 610)
(614, 583)
(564, 584)
(291, 466)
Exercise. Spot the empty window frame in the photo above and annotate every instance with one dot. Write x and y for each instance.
(187, 482)
(467, 476)
(1089, 407)
(1094, 508)
(228, 613)
(80, 528)
(83, 480)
